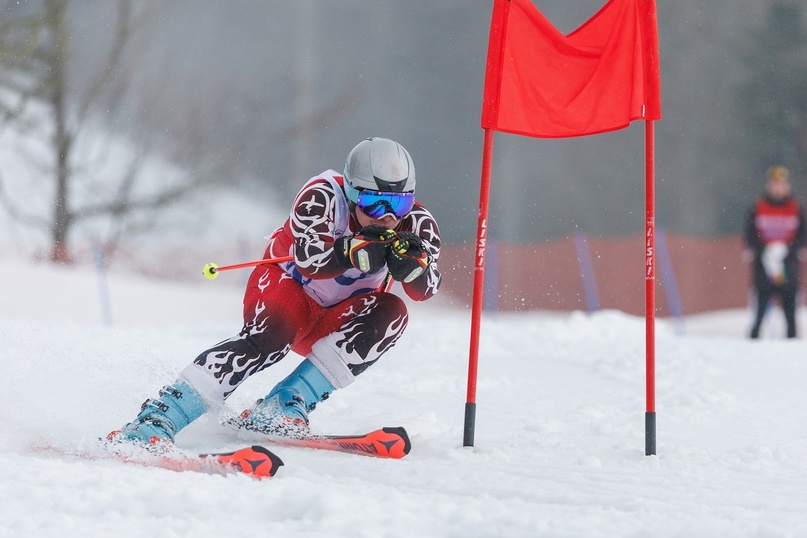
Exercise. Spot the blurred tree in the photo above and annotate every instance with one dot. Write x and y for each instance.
(95, 175)
(773, 97)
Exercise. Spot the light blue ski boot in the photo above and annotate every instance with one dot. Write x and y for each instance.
(161, 419)
(284, 411)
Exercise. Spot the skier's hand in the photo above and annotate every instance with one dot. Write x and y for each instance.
(366, 250)
(408, 258)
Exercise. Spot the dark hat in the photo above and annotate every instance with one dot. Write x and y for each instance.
(777, 172)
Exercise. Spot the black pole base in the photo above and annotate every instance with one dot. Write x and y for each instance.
(650, 433)
(470, 424)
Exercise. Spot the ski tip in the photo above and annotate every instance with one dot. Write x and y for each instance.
(399, 431)
(273, 458)
(255, 460)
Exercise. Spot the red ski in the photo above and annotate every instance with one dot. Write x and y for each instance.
(254, 460)
(384, 443)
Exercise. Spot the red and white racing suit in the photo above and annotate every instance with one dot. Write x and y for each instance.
(341, 320)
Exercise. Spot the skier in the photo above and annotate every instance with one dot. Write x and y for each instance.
(774, 233)
(347, 233)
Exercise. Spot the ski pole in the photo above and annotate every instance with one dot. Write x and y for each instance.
(211, 270)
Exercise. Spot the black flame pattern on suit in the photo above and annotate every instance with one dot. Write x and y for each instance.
(372, 324)
(232, 361)
(257, 347)
(379, 323)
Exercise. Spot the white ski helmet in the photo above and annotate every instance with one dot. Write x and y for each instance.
(378, 164)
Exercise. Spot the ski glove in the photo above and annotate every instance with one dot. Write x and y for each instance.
(408, 258)
(366, 250)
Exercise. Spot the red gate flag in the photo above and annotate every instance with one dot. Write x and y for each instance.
(598, 78)
(541, 83)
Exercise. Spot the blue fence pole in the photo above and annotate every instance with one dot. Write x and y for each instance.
(668, 279)
(590, 292)
(103, 288)
(490, 299)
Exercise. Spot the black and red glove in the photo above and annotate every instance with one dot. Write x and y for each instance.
(366, 250)
(408, 258)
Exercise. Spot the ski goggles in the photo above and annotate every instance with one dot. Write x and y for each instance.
(377, 204)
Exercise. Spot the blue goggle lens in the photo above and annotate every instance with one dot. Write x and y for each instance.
(376, 204)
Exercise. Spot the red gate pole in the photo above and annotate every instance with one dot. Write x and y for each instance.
(479, 289)
(650, 291)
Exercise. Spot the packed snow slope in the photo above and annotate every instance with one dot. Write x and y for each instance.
(559, 439)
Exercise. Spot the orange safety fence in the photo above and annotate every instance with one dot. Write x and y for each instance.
(711, 273)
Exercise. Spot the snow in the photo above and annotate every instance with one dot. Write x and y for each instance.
(559, 438)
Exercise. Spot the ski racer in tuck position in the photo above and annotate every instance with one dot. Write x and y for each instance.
(346, 233)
